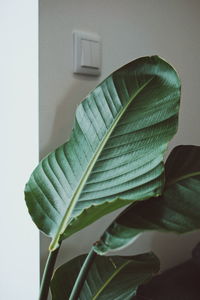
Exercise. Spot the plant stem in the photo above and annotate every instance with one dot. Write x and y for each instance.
(82, 275)
(48, 272)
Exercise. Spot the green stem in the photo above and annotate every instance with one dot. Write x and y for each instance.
(47, 275)
(82, 275)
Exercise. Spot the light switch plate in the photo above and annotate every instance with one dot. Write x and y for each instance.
(87, 53)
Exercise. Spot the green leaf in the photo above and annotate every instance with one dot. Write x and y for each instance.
(115, 153)
(183, 162)
(177, 210)
(108, 278)
(179, 283)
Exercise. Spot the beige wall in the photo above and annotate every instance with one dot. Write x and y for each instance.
(129, 29)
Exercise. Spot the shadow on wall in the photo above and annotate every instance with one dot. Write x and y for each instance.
(165, 245)
(173, 249)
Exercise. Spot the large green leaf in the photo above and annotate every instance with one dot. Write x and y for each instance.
(177, 210)
(115, 152)
(109, 278)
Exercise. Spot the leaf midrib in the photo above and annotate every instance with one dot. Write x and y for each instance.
(173, 181)
(109, 280)
(55, 241)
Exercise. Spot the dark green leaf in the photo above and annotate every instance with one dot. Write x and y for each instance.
(115, 153)
(177, 210)
(183, 162)
(108, 278)
(178, 283)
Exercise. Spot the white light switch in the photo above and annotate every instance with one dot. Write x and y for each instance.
(90, 56)
(87, 53)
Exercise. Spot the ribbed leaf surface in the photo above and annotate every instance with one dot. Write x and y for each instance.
(115, 152)
(109, 278)
(177, 210)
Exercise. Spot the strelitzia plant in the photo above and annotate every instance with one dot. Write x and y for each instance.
(114, 158)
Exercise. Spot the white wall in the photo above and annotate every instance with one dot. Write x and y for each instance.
(19, 254)
(129, 29)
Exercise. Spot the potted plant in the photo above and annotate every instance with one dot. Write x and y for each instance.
(114, 158)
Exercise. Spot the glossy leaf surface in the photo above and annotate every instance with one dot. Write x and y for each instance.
(115, 152)
(109, 277)
(177, 210)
